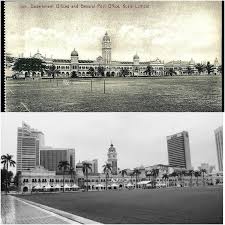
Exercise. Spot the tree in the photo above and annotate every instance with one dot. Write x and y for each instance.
(174, 174)
(200, 67)
(74, 74)
(123, 172)
(16, 179)
(91, 71)
(86, 168)
(171, 72)
(124, 72)
(183, 173)
(51, 71)
(154, 174)
(148, 174)
(107, 168)
(63, 165)
(203, 172)
(209, 68)
(101, 71)
(72, 173)
(7, 161)
(149, 70)
(136, 172)
(29, 65)
(190, 70)
(6, 177)
(219, 69)
(190, 173)
(197, 174)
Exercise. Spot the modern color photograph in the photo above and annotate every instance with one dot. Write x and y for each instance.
(112, 168)
(113, 56)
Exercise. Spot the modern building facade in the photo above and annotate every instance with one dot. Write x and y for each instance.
(219, 146)
(179, 150)
(112, 159)
(50, 158)
(29, 142)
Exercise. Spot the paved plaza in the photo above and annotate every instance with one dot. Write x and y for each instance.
(15, 211)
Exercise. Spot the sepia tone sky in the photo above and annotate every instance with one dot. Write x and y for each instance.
(167, 30)
(139, 138)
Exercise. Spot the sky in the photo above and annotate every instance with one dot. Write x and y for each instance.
(168, 30)
(139, 138)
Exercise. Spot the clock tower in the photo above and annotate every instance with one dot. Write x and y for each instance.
(112, 159)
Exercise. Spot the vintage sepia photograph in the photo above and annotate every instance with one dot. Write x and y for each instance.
(151, 56)
(112, 168)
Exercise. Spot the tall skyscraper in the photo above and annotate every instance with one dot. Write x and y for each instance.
(50, 158)
(179, 150)
(219, 146)
(28, 144)
(112, 158)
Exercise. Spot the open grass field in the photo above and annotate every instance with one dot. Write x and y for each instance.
(192, 93)
(171, 205)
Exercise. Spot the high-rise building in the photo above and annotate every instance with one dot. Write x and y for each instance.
(29, 142)
(179, 150)
(219, 146)
(50, 158)
(112, 158)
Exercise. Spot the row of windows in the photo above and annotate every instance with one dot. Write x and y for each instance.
(96, 67)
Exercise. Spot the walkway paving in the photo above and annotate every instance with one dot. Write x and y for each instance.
(16, 211)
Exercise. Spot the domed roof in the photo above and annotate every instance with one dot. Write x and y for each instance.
(106, 37)
(99, 58)
(74, 53)
(136, 56)
(79, 164)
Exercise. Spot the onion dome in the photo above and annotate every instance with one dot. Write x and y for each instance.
(106, 37)
(79, 165)
(136, 56)
(74, 53)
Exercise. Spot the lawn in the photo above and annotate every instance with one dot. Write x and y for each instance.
(191, 93)
(172, 205)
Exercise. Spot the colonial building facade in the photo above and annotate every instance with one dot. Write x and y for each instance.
(81, 68)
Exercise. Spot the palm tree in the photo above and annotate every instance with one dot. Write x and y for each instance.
(86, 168)
(190, 173)
(136, 172)
(7, 161)
(171, 72)
(91, 71)
(72, 173)
(197, 174)
(107, 168)
(219, 69)
(124, 72)
(183, 173)
(149, 70)
(189, 70)
(165, 177)
(209, 68)
(200, 67)
(148, 174)
(154, 173)
(203, 172)
(174, 174)
(123, 172)
(63, 165)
